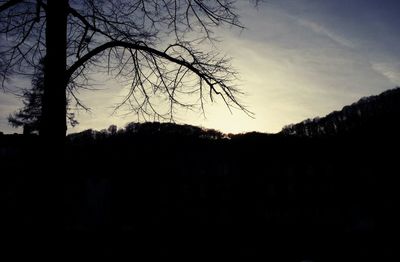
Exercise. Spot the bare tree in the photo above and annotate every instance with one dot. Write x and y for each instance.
(153, 44)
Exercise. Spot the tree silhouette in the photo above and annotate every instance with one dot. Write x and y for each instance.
(155, 45)
(368, 115)
(29, 116)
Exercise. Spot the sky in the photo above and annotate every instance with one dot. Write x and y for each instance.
(296, 59)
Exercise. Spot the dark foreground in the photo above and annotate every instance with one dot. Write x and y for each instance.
(271, 197)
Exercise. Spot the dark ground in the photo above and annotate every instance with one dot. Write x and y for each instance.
(255, 195)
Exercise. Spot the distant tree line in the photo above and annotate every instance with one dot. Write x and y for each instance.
(148, 129)
(351, 118)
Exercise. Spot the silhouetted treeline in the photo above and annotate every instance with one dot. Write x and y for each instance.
(147, 129)
(374, 114)
(183, 191)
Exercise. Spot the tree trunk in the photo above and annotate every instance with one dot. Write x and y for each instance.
(53, 128)
(53, 123)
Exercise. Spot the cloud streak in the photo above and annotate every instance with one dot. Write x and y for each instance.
(389, 70)
(321, 30)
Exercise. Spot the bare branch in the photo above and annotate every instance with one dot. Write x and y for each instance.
(9, 4)
(207, 72)
(151, 45)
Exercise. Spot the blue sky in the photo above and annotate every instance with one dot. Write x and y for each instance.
(297, 59)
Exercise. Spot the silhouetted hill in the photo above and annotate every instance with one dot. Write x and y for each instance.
(161, 189)
(370, 116)
(149, 130)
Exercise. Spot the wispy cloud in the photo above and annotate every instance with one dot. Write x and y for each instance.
(390, 70)
(321, 30)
